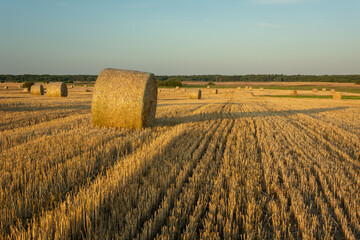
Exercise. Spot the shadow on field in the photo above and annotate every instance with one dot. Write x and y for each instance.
(237, 115)
(25, 107)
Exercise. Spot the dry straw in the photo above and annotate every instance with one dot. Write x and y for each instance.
(324, 89)
(294, 93)
(337, 96)
(314, 90)
(332, 91)
(195, 94)
(37, 89)
(124, 99)
(215, 91)
(57, 89)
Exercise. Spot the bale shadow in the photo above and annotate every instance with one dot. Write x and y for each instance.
(202, 117)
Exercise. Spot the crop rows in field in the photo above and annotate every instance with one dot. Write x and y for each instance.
(226, 167)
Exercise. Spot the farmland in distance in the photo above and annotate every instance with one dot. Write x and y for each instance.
(227, 166)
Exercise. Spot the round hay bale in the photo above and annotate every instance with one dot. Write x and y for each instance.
(37, 89)
(124, 99)
(208, 87)
(250, 88)
(57, 89)
(6, 87)
(195, 94)
(261, 89)
(215, 91)
(314, 90)
(324, 89)
(183, 89)
(294, 93)
(239, 88)
(332, 91)
(26, 90)
(20, 86)
(177, 87)
(337, 96)
(85, 86)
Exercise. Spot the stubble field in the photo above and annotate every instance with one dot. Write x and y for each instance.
(228, 166)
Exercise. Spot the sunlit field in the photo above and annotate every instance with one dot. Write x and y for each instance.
(227, 166)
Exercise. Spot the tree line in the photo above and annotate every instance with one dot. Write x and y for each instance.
(206, 78)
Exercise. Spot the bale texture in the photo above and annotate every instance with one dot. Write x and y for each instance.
(215, 91)
(294, 93)
(37, 89)
(314, 90)
(124, 99)
(195, 94)
(332, 90)
(57, 89)
(337, 96)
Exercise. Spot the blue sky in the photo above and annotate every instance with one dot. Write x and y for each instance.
(180, 37)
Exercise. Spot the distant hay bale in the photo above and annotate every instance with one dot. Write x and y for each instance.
(261, 89)
(177, 87)
(26, 90)
(6, 87)
(332, 91)
(324, 90)
(72, 86)
(250, 88)
(195, 94)
(37, 89)
(208, 87)
(314, 90)
(57, 89)
(294, 93)
(183, 89)
(85, 85)
(124, 99)
(239, 88)
(20, 86)
(215, 91)
(246, 87)
(337, 96)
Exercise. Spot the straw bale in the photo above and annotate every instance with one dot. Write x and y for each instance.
(26, 90)
(249, 94)
(37, 89)
(261, 89)
(6, 87)
(195, 94)
(215, 91)
(208, 87)
(324, 90)
(177, 87)
(239, 88)
(57, 89)
(250, 88)
(124, 99)
(337, 96)
(294, 93)
(183, 89)
(332, 91)
(314, 90)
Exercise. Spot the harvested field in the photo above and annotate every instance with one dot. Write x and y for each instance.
(227, 166)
